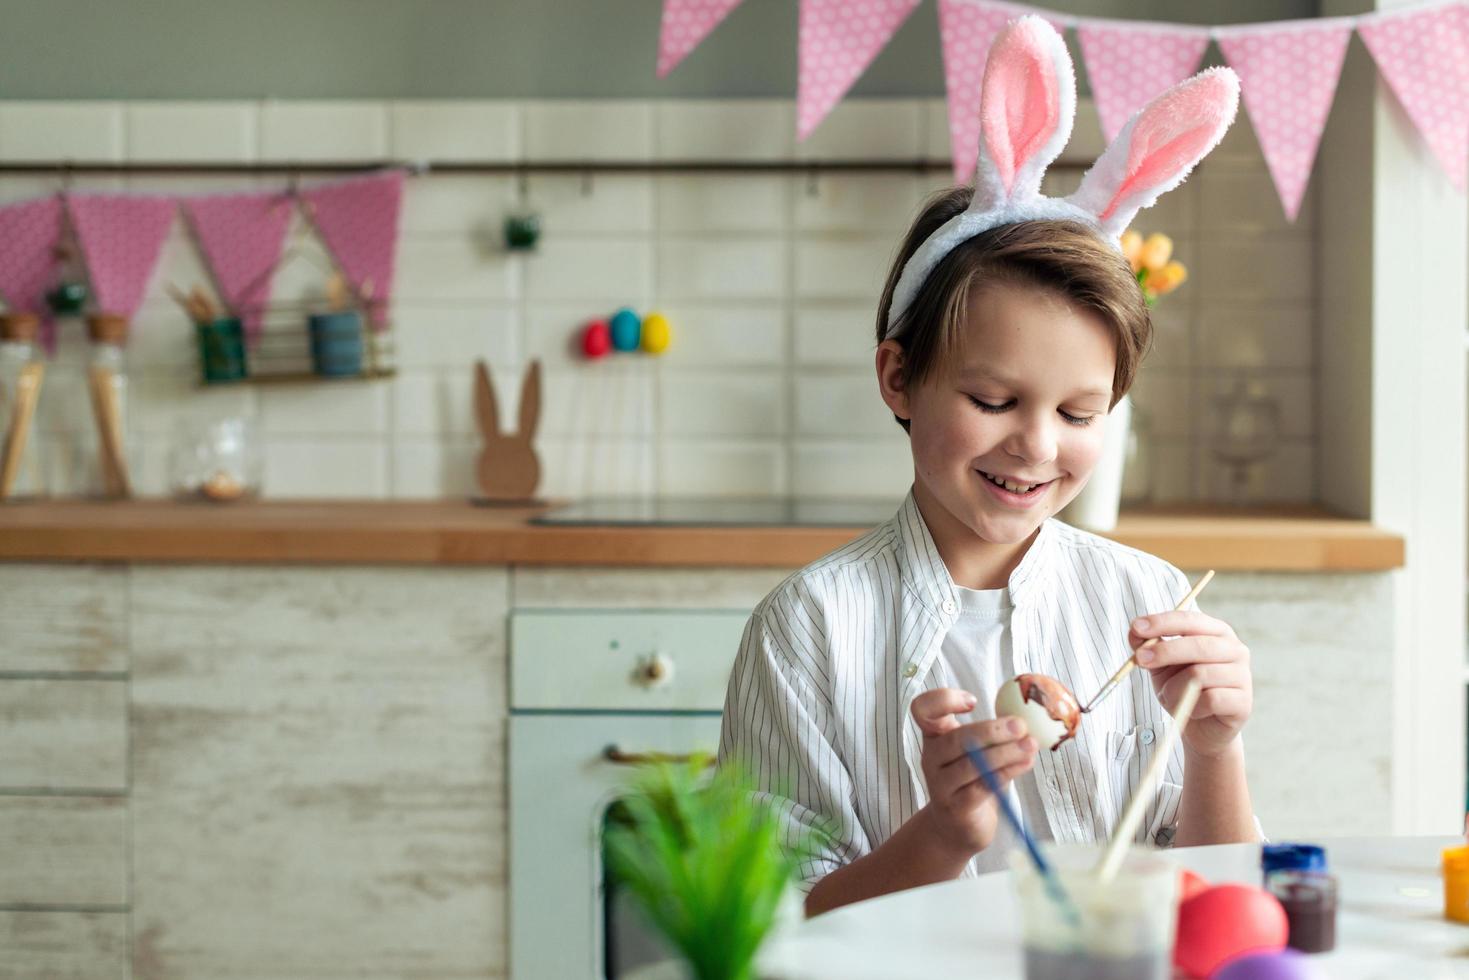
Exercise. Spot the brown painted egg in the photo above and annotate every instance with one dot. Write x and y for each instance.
(1048, 708)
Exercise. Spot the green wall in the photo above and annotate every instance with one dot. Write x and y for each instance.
(143, 49)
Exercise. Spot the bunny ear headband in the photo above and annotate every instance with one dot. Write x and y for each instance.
(1027, 105)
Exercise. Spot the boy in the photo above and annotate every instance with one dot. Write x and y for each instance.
(1009, 327)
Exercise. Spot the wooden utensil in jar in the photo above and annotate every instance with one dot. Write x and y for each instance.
(27, 391)
(107, 413)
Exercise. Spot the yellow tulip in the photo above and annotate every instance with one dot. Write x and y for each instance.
(1168, 278)
(1132, 247)
(1157, 250)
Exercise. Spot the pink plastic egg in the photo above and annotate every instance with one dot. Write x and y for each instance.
(596, 340)
(1190, 884)
(1224, 922)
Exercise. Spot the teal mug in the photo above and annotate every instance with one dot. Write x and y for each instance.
(336, 343)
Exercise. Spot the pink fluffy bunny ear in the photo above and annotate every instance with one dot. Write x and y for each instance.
(1027, 105)
(1157, 148)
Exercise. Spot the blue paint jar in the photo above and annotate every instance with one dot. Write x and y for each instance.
(1291, 857)
(336, 343)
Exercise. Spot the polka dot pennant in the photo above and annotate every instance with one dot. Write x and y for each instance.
(1288, 74)
(358, 222)
(685, 24)
(29, 232)
(1128, 65)
(1422, 54)
(967, 28)
(837, 41)
(121, 237)
(241, 236)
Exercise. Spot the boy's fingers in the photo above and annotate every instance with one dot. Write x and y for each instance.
(935, 710)
(952, 747)
(1188, 650)
(1184, 622)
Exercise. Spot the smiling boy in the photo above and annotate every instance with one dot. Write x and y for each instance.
(1009, 327)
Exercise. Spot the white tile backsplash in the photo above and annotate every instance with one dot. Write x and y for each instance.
(468, 129)
(868, 129)
(725, 129)
(726, 268)
(83, 132)
(607, 129)
(770, 281)
(193, 131)
(344, 130)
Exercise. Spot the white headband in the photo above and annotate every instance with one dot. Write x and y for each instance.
(1027, 106)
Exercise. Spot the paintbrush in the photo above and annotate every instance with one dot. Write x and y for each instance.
(1130, 663)
(1048, 875)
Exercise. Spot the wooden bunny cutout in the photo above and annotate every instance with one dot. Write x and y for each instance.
(508, 469)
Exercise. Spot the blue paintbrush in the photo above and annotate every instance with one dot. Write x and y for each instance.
(1048, 876)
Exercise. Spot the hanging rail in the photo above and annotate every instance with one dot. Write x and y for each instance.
(286, 169)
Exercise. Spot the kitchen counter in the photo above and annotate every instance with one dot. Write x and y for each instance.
(461, 533)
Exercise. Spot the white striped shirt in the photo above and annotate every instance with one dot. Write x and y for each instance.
(830, 662)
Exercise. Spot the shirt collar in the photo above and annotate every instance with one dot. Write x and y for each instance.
(925, 573)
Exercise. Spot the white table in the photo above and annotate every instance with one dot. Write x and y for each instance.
(1389, 925)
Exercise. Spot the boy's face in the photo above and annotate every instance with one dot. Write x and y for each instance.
(1024, 402)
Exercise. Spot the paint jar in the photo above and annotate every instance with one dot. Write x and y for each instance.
(1122, 930)
(1309, 900)
(1456, 884)
(336, 343)
(1291, 857)
(221, 350)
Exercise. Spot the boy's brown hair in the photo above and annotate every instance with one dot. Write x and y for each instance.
(1066, 257)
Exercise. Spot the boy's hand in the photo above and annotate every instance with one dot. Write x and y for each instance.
(961, 808)
(1206, 648)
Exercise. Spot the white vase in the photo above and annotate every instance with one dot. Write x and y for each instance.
(1095, 508)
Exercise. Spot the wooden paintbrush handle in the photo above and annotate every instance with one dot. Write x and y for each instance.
(27, 391)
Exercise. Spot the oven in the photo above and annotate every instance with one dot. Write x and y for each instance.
(592, 692)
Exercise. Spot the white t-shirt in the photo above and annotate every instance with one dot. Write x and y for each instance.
(977, 650)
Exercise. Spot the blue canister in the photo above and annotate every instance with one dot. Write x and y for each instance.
(1291, 857)
(221, 349)
(336, 343)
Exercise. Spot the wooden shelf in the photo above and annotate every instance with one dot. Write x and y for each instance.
(457, 532)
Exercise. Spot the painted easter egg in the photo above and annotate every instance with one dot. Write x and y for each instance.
(1047, 707)
(1226, 922)
(657, 333)
(1288, 964)
(626, 329)
(596, 341)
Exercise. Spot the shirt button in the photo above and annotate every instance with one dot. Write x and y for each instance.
(1147, 736)
(911, 670)
(950, 607)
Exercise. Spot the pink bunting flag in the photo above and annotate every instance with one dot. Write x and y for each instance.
(1288, 73)
(121, 236)
(241, 236)
(966, 30)
(1422, 54)
(837, 41)
(1128, 64)
(685, 24)
(358, 222)
(29, 234)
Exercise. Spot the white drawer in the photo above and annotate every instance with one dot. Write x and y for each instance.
(601, 659)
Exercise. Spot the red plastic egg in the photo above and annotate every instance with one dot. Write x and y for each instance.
(596, 340)
(1224, 922)
(1189, 884)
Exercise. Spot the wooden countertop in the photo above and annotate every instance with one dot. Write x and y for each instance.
(457, 532)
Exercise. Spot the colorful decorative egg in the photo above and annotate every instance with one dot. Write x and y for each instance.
(657, 333)
(1189, 884)
(596, 340)
(1047, 707)
(626, 329)
(1288, 964)
(1226, 922)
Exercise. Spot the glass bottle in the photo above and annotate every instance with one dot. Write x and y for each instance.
(21, 374)
(105, 458)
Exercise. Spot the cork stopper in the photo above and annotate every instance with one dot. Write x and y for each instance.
(19, 326)
(107, 328)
